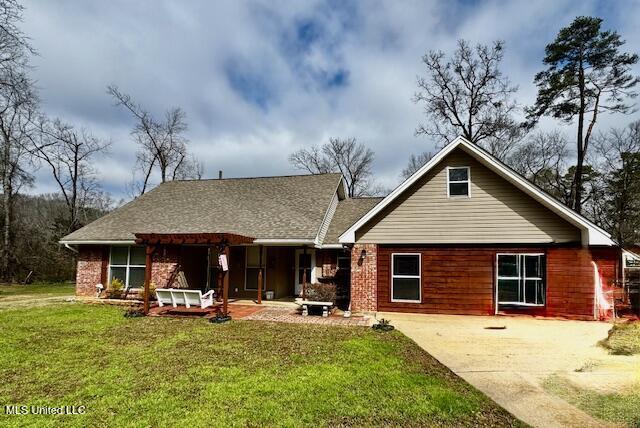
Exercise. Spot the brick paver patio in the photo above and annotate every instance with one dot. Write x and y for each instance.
(292, 316)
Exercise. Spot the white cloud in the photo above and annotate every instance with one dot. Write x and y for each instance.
(189, 53)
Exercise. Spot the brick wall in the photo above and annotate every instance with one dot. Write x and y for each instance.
(93, 265)
(163, 265)
(364, 279)
(91, 269)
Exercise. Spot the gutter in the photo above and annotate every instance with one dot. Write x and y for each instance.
(65, 243)
(294, 241)
(75, 250)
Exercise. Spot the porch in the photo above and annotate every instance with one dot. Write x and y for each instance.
(280, 312)
(232, 266)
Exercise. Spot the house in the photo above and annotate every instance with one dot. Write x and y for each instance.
(463, 235)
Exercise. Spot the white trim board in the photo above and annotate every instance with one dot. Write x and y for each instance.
(591, 233)
(419, 277)
(98, 242)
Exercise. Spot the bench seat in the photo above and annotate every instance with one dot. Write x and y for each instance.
(185, 297)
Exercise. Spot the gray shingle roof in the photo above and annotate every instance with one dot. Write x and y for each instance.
(289, 207)
(347, 213)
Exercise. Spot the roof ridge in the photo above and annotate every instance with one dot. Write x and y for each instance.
(253, 178)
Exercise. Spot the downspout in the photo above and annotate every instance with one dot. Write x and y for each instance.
(71, 248)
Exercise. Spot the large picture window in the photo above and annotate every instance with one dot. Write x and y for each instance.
(521, 279)
(405, 278)
(458, 181)
(127, 264)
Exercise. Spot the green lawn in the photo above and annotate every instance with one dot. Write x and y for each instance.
(39, 289)
(622, 407)
(188, 372)
(624, 339)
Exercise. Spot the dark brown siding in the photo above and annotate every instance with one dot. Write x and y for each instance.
(461, 280)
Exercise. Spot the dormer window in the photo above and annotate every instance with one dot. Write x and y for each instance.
(458, 181)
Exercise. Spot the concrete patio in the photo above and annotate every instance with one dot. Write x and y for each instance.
(508, 358)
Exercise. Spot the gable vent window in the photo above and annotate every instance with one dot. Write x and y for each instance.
(458, 182)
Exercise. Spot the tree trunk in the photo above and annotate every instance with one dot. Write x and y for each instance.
(577, 180)
(7, 199)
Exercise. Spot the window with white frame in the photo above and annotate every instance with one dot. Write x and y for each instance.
(458, 181)
(406, 284)
(521, 279)
(127, 264)
(253, 267)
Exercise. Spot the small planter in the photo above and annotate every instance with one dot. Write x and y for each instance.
(383, 325)
(219, 319)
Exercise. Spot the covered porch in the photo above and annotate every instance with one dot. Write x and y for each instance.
(233, 266)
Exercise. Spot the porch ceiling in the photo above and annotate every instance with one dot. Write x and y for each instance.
(193, 238)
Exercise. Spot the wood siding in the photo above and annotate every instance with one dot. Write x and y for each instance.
(461, 280)
(496, 212)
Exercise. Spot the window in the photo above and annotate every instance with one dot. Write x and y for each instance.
(127, 264)
(405, 278)
(253, 266)
(521, 279)
(458, 179)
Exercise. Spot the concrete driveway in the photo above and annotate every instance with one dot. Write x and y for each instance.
(509, 364)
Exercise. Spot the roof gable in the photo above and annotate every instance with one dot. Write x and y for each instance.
(591, 234)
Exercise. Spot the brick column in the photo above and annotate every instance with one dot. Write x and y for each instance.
(364, 278)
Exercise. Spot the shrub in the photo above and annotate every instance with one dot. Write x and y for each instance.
(152, 290)
(321, 292)
(115, 288)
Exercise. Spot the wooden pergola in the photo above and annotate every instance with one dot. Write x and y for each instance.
(221, 240)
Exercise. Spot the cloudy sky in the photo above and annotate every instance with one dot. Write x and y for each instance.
(261, 79)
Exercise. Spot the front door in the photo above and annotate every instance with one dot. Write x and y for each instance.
(304, 261)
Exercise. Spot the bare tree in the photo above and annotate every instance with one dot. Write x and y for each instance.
(68, 153)
(18, 103)
(618, 207)
(542, 159)
(15, 48)
(415, 163)
(352, 159)
(162, 144)
(468, 95)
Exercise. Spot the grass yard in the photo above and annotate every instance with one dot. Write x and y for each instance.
(38, 289)
(624, 339)
(187, 372)
(622, 407)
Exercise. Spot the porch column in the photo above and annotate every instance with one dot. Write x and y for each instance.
(260, 275)
(304, 273)
(225, 283)
(147, 276)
